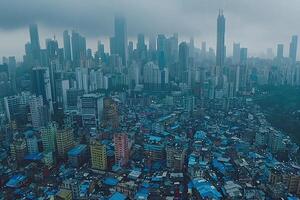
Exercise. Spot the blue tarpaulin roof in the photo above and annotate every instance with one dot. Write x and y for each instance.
(77, 150)
(219, 166)
(34, 157)
(205, 189)
(143, 193)
(293, 198)
(200, 135)
(117, 196)
(84, 187)
(154, 138)
(146, 185)
(110, 181)
(15, 181)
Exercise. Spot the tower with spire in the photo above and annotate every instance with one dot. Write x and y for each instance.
(220, 54)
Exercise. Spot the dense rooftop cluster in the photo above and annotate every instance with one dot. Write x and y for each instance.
(164, 151)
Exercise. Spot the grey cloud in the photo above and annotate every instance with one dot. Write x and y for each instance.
(95, 16)
(263, 21)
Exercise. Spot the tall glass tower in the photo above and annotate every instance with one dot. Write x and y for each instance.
(67, 46)
(293, 48)
(120, 39)
(35, 43)
(220, 57)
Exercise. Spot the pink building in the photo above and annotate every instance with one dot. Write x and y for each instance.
(121, 148)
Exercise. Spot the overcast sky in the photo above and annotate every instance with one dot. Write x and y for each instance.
(256, 24)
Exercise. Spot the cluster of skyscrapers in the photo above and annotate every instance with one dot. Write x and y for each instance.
(130, 117)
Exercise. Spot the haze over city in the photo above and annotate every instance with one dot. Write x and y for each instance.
(256, 24)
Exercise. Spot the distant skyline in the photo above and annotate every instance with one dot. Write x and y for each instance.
(256, 24)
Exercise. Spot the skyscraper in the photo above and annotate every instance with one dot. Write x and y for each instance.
(152, 43)
(91, 107)
(100, 52)
(243, 56)
(12, 65)
(141, 47)
(67, 46)
(183, 55)
(100, 48)
(41, 83)
(220, 57)
(161, 50)
(203, 49)
(39, 114)
(270, 54)
(172, 49)
(236, 53)
(191, 47)
(183, 61)
(112, 45)
(73, 96)
(280, 51)
(78, 48)
(293, 48)
(35, 43)
(130, 50)
(153, 78)
(120, 38)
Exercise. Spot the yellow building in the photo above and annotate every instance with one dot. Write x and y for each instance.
(63, 194)
(48, 135)
(64, 141)
(98, 155)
